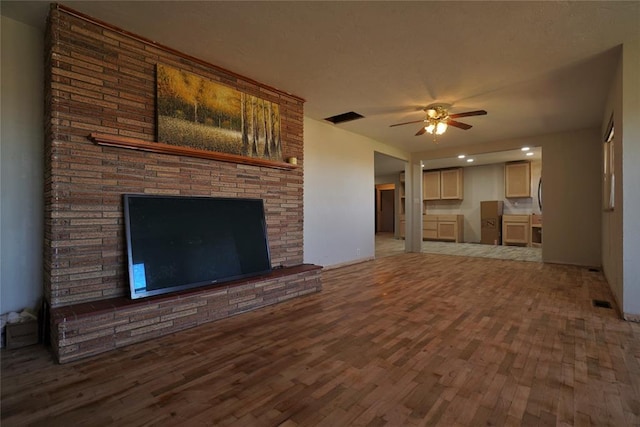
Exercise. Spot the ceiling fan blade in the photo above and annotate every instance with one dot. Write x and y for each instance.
(468, 113)
(421, 131)
(407, 123)
(459, 125)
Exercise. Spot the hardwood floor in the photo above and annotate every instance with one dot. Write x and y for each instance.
(412, 339)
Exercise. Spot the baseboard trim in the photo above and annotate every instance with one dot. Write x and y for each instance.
(348, 263)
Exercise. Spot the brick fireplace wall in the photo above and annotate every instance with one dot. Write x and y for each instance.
(101, 79)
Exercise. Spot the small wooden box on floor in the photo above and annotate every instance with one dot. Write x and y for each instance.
(22, 334)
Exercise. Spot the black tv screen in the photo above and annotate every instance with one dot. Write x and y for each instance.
(176, 243)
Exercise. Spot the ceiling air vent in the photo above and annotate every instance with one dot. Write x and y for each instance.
(344, 117)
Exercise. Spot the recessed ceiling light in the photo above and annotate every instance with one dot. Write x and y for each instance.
(530, 153)
(469, 160)
(525, 148)
(462, 156)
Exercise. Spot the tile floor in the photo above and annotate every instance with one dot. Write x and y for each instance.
(387, 245)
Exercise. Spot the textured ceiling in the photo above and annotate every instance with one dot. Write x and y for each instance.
(536, 67)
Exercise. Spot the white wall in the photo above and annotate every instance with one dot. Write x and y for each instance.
(630, 178)
(21, 164)
(339, 185)
(621, 227)
(388, 179)
(571, 165)
(612, 220)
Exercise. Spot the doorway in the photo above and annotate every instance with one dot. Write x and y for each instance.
(486, 179)
(387, 205)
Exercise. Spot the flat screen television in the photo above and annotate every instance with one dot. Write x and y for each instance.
(176, 243)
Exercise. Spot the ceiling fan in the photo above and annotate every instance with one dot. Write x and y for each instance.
(438, 119)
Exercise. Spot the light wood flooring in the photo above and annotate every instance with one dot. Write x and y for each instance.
(412, 339)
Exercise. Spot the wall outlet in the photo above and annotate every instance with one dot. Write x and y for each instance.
(358, 252)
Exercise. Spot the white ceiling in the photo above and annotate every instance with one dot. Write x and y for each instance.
(536, 67)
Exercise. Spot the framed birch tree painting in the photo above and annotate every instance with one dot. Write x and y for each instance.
(196, 112)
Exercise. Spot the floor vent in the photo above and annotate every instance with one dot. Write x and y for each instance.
(344, 117)
(594, 270)
(601, 303)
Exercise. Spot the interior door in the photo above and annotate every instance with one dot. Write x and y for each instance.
(385, 208)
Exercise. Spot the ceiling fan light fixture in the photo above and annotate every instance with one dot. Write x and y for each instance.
(438, 119)
(441, 128)
(430, 127)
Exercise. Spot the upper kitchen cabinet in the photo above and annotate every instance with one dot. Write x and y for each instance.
(443, 184)
(517, 179)
(452, 184)
(431, 185)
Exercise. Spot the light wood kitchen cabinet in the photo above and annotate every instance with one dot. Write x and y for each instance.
(515, 229)
(517, 179)
(536, 236)
(444, 184)
(452, 184)
(430, 227)
(431, 185)
(443, 227)
(536, 231)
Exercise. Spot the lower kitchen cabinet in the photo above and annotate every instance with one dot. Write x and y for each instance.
(443, 227)
(536, 235)
(515, 230)
(536, 231)
(430, 227)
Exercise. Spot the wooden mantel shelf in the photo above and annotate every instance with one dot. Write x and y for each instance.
(159, 147)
